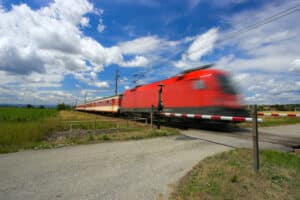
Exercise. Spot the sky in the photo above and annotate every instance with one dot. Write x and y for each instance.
(64, 51)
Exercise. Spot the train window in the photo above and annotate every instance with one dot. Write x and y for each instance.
(226, 84)
(199, 85)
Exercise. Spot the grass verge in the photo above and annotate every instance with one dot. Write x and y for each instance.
(126, 134)
(275, 121)
(229, 175)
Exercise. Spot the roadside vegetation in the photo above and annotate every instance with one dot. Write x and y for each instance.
(229, 175)
(275, 121)
(39, 128)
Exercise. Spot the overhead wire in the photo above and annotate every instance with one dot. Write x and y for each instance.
(251, 27)
(235, 34)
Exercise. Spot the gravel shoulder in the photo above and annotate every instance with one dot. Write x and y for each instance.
(141, 169)
(277, 137)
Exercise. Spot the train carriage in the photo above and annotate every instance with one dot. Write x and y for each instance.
(105, 105)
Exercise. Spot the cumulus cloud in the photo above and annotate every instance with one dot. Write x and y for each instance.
(140, 45)
(100, 26)
(295, 66)
(136, 62)
(48, 43)
(265, 60)
(202, 45)
(102, 84)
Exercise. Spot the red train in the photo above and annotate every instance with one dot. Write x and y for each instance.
(198, 91)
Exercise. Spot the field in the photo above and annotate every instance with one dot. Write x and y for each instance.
(21, 127)
(275, 121)
(229, 175)
(24, 128)
(25, 114)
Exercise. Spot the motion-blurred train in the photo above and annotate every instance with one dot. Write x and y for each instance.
(200, 90)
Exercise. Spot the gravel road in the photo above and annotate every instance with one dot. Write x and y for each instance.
(120, 170)
(131, 170)
(279, 137)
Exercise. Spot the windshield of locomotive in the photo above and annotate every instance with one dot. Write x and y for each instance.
(226, 84)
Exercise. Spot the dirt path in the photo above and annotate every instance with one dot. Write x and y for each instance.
(120, 170)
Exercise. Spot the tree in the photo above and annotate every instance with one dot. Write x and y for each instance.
(63, 106)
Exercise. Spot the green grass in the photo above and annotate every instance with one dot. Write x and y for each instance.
(276, 121)
(25, 114)
(229, 175)
(23, 128)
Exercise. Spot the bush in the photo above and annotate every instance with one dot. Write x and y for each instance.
(63, 106)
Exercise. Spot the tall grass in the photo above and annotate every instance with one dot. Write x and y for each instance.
(22, 127)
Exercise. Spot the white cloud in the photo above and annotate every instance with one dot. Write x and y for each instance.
(265, 59)
(47, 44)
(140, 45)
(84, 22)
(100, 26)
(138, 61)
(102, 84)
(295, 66)
(202, 45)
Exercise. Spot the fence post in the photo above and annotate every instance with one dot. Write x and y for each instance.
(255, 139)
(95, 126)
(160, 106)
(151, 116)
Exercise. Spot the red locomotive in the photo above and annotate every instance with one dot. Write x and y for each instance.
(198, 91)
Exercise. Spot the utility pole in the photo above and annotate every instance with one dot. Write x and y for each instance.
(85, 97)
(160, 105)
(255, 139)
(117, 78)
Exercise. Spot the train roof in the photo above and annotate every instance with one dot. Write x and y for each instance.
(102, 98)
(197, 68)
(190, 73)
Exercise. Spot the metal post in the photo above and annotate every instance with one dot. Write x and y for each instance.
(159, 105)
(95, 126)
(151, 116)
(255, 139)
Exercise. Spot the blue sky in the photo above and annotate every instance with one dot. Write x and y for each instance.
(60, 51)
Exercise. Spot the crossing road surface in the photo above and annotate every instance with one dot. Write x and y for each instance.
(120, 170)
(281, 137)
